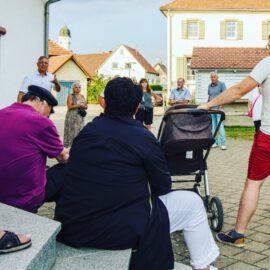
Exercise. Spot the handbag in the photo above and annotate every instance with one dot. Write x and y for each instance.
(82, 112)
(250, 112)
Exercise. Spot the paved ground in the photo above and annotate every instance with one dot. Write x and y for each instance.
(227, 171)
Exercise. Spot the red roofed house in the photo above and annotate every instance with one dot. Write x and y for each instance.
(211, 23)
(126, 61)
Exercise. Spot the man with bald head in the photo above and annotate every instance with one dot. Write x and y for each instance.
(215, 88)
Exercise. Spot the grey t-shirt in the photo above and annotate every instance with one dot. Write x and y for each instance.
(216, 90)
(261, 74)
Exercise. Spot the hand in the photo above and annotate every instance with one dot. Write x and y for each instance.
(54, 81)
(203, 107)
(220, 106)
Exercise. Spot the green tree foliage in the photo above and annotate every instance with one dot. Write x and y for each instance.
(156, 87)
(95, 88)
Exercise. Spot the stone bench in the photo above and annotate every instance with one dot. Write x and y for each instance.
(69, 258)
(47, 254)
(42, 254)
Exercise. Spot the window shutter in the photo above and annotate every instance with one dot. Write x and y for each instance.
(180, 67)
(265, 30)
(222, 30)
(184, 30)
(239, 30)
(201, 29)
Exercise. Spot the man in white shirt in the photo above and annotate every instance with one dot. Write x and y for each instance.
(40, 78)
(259, 160)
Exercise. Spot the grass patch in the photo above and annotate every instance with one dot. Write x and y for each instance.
(242, 133)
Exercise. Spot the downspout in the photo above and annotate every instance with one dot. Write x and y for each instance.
(46, 24)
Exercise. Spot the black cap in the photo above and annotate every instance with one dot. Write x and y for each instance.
(43, 94)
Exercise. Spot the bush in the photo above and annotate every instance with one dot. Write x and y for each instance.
(96, 87)
(156, 87)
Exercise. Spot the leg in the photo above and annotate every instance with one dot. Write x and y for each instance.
(148, 120)
(187, 213)
(55, 181)
(248, 204)
(214, 126)
(221, 132)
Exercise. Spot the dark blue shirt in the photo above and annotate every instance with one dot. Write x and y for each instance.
(113, 179)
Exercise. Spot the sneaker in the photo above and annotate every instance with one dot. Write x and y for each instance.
(223, 147)
(231, 238)
(214, 145)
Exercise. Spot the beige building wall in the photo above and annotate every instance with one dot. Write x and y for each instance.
(71, 72)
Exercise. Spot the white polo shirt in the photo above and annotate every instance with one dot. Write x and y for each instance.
(261, 74)
(37, 79)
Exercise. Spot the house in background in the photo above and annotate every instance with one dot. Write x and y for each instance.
(231, 64)
(242, 23)
(128, 62)
(161, 70)
(70, 68)
(23, 43)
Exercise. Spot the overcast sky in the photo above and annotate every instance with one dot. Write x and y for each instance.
(102, 25)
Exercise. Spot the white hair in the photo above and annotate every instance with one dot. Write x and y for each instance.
(213, 73)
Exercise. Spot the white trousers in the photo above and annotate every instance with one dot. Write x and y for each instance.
(187, 213)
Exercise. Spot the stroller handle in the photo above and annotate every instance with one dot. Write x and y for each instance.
(194, 111)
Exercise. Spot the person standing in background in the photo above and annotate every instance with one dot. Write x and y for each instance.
(215, 88)
(40, 78)
(74, 121)
(180, 95)
(145, 112)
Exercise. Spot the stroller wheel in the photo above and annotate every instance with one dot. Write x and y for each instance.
(216, 211)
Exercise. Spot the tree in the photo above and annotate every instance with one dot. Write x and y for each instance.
(96, 87)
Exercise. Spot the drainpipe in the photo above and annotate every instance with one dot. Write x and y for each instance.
(46, 25)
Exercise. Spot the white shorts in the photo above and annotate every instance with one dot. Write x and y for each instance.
(187, 213)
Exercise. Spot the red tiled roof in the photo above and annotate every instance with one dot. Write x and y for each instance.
(145, 64)
(217, 5)
(55, 62)
(227, 58)
(91, 62)
(55, 49)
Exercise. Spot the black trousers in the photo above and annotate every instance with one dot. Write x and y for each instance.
(55, 182)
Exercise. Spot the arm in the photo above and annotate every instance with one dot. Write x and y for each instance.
(157, 171)
(223, 88)
(72, 106)
(20, 95)
(249, 105)
(233, 93)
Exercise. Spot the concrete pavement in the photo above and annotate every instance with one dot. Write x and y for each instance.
(227, 172)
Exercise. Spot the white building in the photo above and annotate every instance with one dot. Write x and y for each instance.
(211, 23)
(128, 62)
(64, 38)
(23, 43)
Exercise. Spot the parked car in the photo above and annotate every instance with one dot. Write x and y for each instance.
(160, 98)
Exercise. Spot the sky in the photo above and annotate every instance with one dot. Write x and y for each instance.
(102, 25)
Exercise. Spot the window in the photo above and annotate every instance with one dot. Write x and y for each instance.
(127, 65)
(193, 30)
(114, 65)
(231, 30)
(190, 73)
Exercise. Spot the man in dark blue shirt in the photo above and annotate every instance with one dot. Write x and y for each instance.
(117, 189)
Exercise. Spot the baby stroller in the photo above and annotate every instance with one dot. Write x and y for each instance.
(186, 136)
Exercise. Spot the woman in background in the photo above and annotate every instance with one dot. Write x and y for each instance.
(145, 111)
(74, 121)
